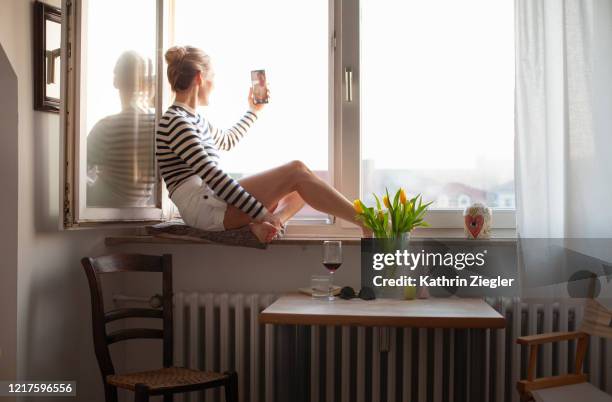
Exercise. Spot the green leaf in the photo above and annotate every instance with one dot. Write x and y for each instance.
(377, 202)
(389, 198)
(396, 199)
(397, 220)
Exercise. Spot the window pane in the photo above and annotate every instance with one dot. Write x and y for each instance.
(118, 59)
(437, 100)
(289, 39)
(53, 38)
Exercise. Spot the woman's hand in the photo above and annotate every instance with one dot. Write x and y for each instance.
(257, 107)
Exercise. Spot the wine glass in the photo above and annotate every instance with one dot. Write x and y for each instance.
(332, 259)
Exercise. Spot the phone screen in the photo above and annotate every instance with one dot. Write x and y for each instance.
(260, 86)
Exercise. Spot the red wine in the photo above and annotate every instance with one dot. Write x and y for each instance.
(332, 266)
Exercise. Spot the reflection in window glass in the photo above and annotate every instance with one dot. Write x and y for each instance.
(119, 96)
(288, 39)
(53, 35)
(437, 84)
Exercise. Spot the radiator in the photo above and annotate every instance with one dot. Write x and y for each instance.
(221, 332)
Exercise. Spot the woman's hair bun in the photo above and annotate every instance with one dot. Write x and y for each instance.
(175, 55)
(184, 62)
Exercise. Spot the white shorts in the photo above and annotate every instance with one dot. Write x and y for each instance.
(200, 208)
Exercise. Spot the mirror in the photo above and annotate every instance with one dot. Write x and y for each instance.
(47, 57)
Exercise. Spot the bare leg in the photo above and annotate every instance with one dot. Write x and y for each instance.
(271, 186)
(288, 206)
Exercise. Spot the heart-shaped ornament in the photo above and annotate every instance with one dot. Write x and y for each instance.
(474, 224)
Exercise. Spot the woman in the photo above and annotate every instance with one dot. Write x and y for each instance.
(206, 196)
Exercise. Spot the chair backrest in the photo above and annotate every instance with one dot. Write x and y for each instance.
(94, 267)
(596, 320)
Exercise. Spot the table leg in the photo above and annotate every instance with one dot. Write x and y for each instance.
(460, 369)
(477, 365)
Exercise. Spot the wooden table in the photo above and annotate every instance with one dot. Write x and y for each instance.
(474, 315)
(296, 309)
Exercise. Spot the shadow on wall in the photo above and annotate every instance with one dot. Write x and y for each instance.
(47, 172)
(8, 217)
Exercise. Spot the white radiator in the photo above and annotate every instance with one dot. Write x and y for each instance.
(221, 332)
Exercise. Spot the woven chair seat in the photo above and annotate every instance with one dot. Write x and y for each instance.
(169, 377)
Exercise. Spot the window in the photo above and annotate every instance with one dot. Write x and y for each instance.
(370, 94)
(437, 112)
(114, 126)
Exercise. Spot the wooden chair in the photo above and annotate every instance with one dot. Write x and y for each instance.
(566, 387)
(166, 381)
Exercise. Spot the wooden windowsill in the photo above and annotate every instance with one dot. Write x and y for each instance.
(285, 241)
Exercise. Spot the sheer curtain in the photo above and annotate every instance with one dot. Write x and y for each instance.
(563, 161)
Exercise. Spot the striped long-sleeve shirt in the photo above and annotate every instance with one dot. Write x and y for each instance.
(187, 145)
(120, 162)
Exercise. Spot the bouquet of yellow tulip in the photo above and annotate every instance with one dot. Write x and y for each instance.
(404, 213)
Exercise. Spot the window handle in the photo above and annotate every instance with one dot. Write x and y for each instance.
(348, 84)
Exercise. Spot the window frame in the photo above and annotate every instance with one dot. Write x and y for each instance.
(75, 212)
(344, 137)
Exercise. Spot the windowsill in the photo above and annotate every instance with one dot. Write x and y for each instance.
(285, 241)
(498, 235)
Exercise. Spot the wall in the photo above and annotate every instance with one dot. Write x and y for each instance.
(8, 217)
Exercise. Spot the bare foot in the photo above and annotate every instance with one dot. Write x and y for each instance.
(264, 231)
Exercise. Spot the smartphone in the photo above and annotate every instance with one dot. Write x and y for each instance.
(260, 86)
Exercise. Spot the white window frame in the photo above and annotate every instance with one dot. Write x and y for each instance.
(72, 111)
(344, 130)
